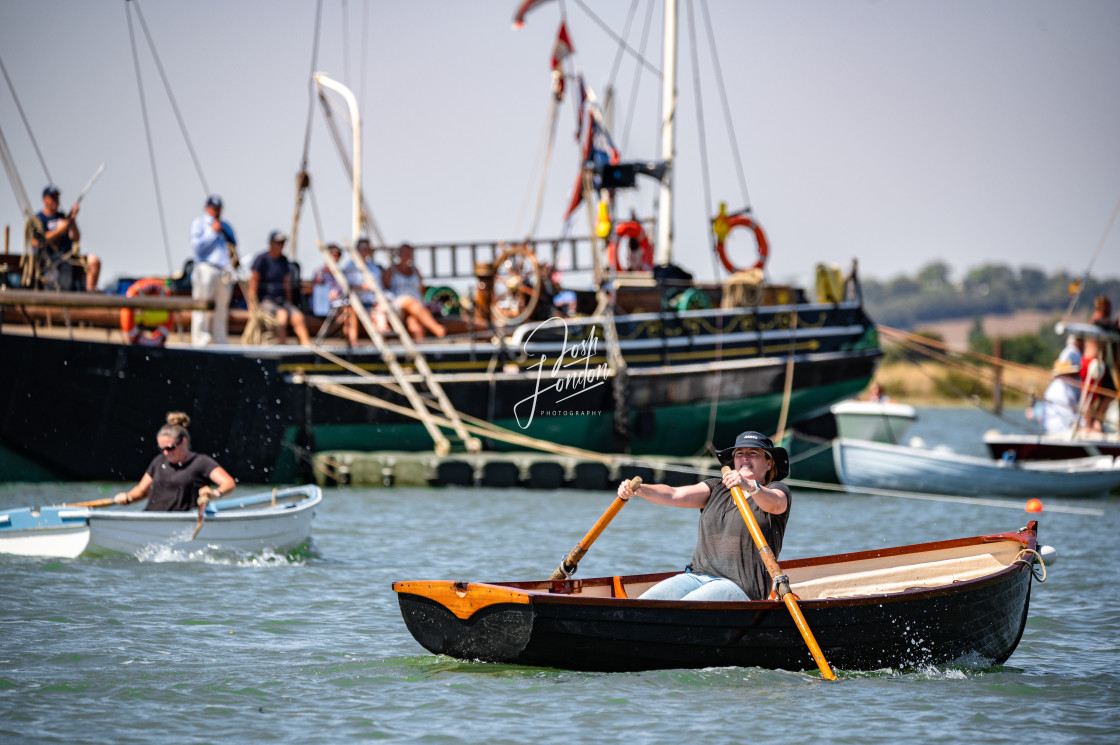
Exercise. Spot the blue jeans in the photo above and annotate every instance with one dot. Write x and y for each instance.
(689, 586)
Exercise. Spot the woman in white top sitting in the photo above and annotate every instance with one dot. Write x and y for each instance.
(402, 279)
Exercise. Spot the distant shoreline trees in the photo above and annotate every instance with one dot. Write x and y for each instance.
(993, 289)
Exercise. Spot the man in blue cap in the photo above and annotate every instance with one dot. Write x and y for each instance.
(61, 236)
(270, 287)
(726, 564)
(215, 256)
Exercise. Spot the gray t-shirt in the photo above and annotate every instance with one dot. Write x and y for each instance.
(724, 547)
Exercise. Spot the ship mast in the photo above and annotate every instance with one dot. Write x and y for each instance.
(668, 127)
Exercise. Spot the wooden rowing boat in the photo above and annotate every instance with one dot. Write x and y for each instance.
(277, 520)
(928, 603)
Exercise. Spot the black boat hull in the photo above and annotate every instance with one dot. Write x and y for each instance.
(975, 621)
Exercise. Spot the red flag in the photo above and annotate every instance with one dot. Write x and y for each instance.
(562, 48)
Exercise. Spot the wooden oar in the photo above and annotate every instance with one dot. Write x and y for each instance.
(92, 503)
(201, 511)
(198, 525)
(781, 580)
(568, 564)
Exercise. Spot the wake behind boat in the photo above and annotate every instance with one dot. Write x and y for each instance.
(278, 520)
(928, 603)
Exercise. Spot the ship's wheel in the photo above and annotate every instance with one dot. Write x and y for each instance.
(517, 285)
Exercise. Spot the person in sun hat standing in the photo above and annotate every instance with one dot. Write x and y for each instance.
(726, 565)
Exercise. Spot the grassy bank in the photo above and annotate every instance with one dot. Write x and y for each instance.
(931, 383)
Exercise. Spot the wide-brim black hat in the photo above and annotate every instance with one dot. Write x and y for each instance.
(762, 442)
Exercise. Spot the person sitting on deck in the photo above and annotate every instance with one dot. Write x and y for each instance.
(270, 287)
(726, 564)
(323, 276)
(356, 278)
(178, 480)
(403, 280)
(57, 248)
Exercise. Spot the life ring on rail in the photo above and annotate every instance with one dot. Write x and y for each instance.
(160, 319)
(629, 229)
(743, 221)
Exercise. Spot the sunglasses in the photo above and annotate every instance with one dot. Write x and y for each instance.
(169, 448)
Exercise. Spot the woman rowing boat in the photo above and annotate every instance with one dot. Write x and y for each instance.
(726, 565)
(178, 479)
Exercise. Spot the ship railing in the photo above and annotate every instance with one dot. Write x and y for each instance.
(441, 262)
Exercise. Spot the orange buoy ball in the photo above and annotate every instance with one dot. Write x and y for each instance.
(1034, 505)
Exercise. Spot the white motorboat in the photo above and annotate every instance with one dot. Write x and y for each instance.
(873, 420)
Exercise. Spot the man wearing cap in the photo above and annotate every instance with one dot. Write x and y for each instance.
(61, 233)
(726, 564)
(270, 287)
(214, 255)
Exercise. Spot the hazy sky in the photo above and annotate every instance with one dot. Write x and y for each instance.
(894, 132)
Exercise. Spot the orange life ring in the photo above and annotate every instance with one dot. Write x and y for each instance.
(629, 229)
(135, 332)
(759, 236)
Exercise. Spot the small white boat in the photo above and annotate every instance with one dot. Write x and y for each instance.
(279, 520)
(860, 463)
(872, 420)
(45, 531)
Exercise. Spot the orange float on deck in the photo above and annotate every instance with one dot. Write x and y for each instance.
(135, 332)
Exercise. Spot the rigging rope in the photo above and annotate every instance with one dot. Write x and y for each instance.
(303, 182)
(620, 50)
(26, 124)
(637, 55)
(170, 96)
(1008, 504)
(148, 137)
(15, 180)
(705, 173)
(637, 79)
(1089, 269)
(729, 122)
(923, 347)
(550, 139)
(713, 409)
(311, 85)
